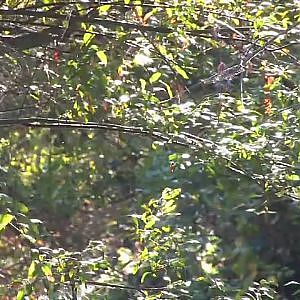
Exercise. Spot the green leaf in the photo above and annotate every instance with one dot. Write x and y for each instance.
(181, 72)
(143, 84)
(135, 269)
(104, 8)
(169, 194)
(35, 97)
(139, 10)
(21, 295)
(169, 206)
(71, 273)
(236, 21)
(157, 145)
(144, 276)
(76, 105)
(166, 229)
(102, 56)
(154, 77)
(169, 90)
(32, 270)
(150, 223)
(173, 156)
(145, 253)
(293, 177)
(46, 269)
(87, 38)
(126, 1)
(5, 220)
(163, 50)
(22, 208)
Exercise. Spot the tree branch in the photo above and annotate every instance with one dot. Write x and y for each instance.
(33, 39)
(184, 139)
(61, 123)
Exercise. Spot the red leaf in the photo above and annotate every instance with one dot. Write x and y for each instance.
(56, 55)
(268, 105)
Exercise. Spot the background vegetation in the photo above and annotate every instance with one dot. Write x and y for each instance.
(149, 149)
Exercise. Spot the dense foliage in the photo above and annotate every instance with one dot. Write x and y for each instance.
(149, 149)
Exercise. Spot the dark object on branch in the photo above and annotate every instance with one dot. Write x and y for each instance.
(34, 39)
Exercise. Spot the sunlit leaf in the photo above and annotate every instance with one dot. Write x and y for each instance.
(46, 269)
(143, 84)
(32, 270)
(22, 208)
(5, 219)
(21, 295)
(104, 8)
(173, 156)
(169, 206)
(102, 56)
(144, 276)
(294, 177)
(87, 38)
(154, 77)
(150, 223)
(181, 72)
(169, 194)
(139, 10)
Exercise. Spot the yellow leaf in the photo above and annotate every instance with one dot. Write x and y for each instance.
(181, 72)
(5, 220)
(139, 10)
(47, 270)
(87, 38)
(102, 56)
(169, 194)
(32, 270)
(236, 21)
(104, 8)
(154, 77)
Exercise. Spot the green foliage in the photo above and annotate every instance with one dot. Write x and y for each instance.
(5, 220)
(158, 142)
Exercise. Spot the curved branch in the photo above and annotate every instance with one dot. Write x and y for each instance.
(184, 139)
